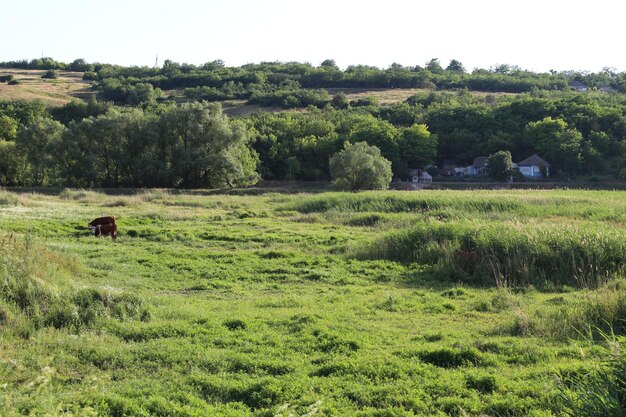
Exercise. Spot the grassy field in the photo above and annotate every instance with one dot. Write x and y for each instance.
(432, 303)
(69, 86)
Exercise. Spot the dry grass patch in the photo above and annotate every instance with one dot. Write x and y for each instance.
(66, 88)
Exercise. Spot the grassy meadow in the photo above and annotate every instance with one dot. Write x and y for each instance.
(252, 303)
(69, 86)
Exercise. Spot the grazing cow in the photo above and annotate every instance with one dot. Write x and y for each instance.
(104, 226)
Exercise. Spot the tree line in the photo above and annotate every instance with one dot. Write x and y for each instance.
(294, 84)
(191, 146)
(99, 144)
(144, 144)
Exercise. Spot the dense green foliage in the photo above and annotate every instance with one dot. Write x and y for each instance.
(51, 74)
(238, 304)
(360, 167)
(193, 145)
(579, 134)
(500, 165)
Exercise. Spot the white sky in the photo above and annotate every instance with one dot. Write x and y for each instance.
(537, 35)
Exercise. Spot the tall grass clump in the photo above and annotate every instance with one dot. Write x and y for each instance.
(399, 202)
(591, 315)
(150, 195)
(85, 196)
(601, 392)
(7, 198)
(509, 254)
(35, 291)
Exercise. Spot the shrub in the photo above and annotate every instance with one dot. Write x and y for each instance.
(51, 74)
(340, 101)
(365, 101)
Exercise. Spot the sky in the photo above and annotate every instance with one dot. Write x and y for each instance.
(538, 35)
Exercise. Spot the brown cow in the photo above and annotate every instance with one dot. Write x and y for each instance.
(104, 226)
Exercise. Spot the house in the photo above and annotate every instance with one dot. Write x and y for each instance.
(577, 86)
(531, 167)
(420, 175)
(606, 88)
(478, 167)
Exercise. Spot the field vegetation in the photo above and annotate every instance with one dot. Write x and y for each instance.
(437, 303)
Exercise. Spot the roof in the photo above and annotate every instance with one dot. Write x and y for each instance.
(534, 160)
(480, 161)
(607, 88)
(576, 84)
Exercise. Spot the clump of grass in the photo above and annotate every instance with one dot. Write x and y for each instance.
(508, 254)
(85, 196)
(235, 324)
(592, 315)
(601, 392)
(365, 220)
(7, 198)
(121, 202)
(484, 383)
(399, 202)
(450, 357)
(35, 291)
(500, 301)
(150, 195)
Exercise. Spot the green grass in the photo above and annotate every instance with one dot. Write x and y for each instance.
(236, 304)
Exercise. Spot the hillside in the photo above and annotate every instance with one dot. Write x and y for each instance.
(68, 86)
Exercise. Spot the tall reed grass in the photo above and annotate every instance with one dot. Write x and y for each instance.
(604, 206)
(508, 254)
(601, 392)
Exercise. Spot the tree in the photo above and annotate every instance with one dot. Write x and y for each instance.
(418, 147)
(434, 66)
(556, 143)
(33, 141)
(360, 167)
(209, 150)
(378, 133)
(8, 128)
(143, 93)
(455, 66)
(329, 63)
(11, 164)
(500, 165)
(80, 65)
